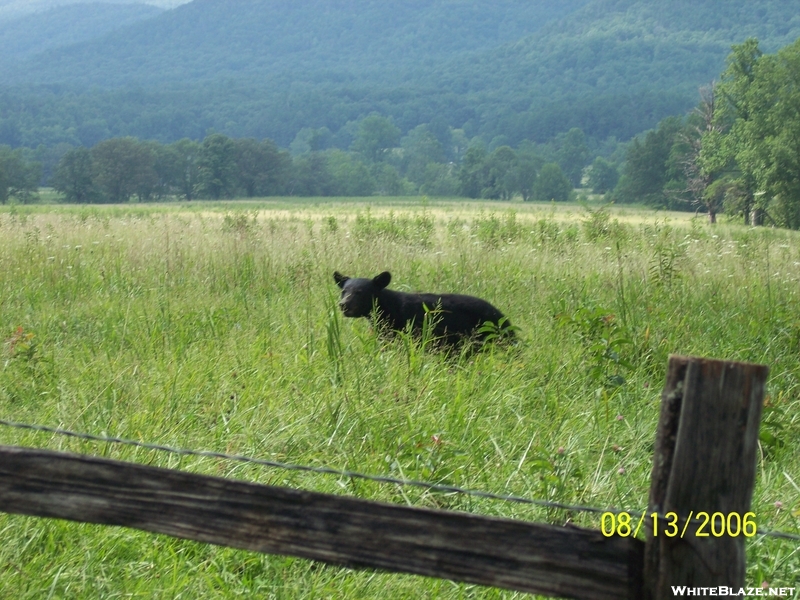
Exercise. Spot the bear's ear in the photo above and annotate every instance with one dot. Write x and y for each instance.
(382, 280)
(339, 278)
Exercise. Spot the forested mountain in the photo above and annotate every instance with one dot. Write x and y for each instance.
(503, 70)
(615, 67)
(326, 39)
(66, 25)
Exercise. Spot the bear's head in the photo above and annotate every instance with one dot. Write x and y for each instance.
(359, 294)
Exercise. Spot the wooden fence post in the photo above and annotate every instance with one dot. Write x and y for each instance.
(704, 462)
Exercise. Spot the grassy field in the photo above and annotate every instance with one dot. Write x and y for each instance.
(215, 326)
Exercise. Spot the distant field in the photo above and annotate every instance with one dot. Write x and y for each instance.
(322, 207)
(215, 326)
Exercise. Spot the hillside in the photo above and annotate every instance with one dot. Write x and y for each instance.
(615, 64)
(503, 70)
(205, 39)
(66, 25)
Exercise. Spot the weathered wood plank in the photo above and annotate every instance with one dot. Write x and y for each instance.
(567, 562)
(704, 461)
(667, 431)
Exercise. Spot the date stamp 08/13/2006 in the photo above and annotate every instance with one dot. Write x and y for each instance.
(716, 524)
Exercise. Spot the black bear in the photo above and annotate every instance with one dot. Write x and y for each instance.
(455, 317)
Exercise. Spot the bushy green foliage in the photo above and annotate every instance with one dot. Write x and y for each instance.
(505, 172)
(603, 176)
(650, 170)
(221, 167)
(18, 177)
(375, 138)
(261, 169)
(573, 155)
(552, 184)
(604, 341)
(756, 138)
(737, 152)
(74, 177)
(216, 166)
(420, 148)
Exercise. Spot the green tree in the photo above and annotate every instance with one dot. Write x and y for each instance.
(376, 137)
(311, 140)
(552, 184)
(722, 145)
(528, 165)
(444, 135)
(123, 167)
(759, 132)
(349, 176)
(165, 169)
(420, 148)
(182, 163)
(572, 155)
(10, 133)
(310, 176)
(74, 177)
(687, 153)
(261, 167)
(474, 174)
(647, 165)
(388, 181)
(149, 185)
(603, 176)
(502, 174)
(49, 157)
(216, 167)
(18, 177)
(440, 180)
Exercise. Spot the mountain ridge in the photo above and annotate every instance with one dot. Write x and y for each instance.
(66, 25)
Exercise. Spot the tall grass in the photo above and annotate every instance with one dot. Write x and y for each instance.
(216, 327)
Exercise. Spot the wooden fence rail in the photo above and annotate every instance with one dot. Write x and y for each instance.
(556, 561)
(704, 460)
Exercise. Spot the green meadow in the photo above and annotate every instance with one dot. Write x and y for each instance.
(215, 326)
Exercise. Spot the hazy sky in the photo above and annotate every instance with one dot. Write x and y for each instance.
(10, 9)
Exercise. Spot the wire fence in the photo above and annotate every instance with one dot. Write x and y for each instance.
(322, 470)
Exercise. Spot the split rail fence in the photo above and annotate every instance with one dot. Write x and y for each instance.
(704, 460)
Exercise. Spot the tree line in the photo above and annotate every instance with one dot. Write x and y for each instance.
(738, 152)
(432, 159)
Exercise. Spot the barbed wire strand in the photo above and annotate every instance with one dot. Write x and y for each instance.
(384, 479)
